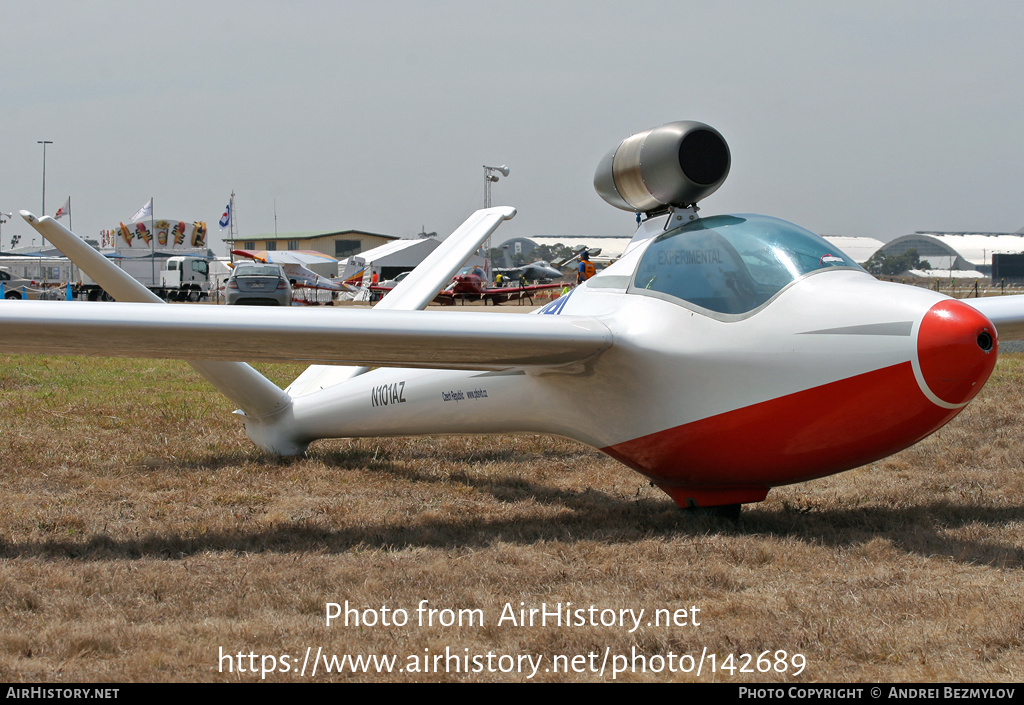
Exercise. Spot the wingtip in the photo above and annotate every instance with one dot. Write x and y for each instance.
(506, 212)
(29, 217)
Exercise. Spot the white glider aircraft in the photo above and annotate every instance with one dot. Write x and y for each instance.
(720, 356)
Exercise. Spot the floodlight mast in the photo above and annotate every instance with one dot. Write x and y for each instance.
(44, 143)
(490, 176)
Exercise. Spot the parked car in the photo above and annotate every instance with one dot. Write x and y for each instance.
(13, 284)
(397, 280)
(257, 284)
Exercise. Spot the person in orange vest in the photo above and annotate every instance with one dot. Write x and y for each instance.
(373, 279)
(586, 269)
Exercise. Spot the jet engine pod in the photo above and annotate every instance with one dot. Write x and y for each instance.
(676, 164)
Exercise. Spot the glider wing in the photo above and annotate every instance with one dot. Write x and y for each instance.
(430, 339)
(1006, 312)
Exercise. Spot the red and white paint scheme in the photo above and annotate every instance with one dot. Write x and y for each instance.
(720, 356)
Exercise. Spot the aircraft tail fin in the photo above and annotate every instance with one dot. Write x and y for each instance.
(255, 395)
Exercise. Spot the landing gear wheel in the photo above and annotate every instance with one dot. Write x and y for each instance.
(12, 295)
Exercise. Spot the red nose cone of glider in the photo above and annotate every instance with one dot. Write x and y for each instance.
(957, 349)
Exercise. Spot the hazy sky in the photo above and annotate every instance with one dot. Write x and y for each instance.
(853, 118)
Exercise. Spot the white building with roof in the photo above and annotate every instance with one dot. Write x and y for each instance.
(388, 260)
(957, 251)
(391, 259)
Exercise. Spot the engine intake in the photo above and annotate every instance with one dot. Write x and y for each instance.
(676, 165)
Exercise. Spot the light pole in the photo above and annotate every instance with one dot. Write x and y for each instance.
(44, 143)
(490, 176)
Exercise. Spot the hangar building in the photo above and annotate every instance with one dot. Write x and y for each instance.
(387, 261)
(957, 251)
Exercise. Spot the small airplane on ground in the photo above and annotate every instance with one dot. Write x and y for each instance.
(590, 252)
(720, 356)
(470, 284)
(535, 271)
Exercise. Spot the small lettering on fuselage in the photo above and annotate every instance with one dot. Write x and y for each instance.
(712, 256)
(458, 395)
(386, 394)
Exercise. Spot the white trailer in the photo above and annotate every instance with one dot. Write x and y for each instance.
(171, 277)
(24, 276)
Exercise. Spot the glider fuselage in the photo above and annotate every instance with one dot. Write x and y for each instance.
(833, 370)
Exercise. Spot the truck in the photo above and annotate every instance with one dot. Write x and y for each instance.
(169, 256)
(171, 277)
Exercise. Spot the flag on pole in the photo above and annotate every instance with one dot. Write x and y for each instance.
(63, 210)
(225, 220)
(145, 212)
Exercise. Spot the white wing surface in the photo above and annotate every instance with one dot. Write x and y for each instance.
(1006, 312)
(429, 339)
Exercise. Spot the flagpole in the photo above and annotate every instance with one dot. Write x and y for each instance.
(152, 241)
(72, 229)
(231, 227)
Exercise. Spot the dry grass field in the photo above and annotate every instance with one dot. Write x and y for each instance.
(143, 538)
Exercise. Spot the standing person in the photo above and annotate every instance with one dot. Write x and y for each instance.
(586, 270)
